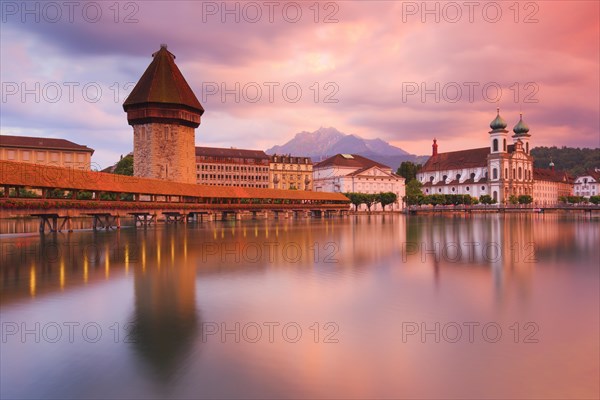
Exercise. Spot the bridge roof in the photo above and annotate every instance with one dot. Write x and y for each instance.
(43, 176)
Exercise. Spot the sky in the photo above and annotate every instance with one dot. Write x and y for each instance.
(402, 71)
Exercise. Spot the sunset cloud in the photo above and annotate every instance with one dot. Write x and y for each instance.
(362, 67)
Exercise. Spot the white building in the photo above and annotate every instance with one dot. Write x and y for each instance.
(499, 170)
(353, 173)
(588, 184)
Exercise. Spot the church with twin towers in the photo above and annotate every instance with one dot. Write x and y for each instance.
(502, 169)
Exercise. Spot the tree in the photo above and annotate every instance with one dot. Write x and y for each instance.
(486, 199)
(525, 199)
(408, 170)
(369, 200)
(414, 194)
(125, 166)
(355, 199)
(436, 199)
(595, 200)
(513, 199)
(386, 198)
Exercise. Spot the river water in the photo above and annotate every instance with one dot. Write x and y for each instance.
(452, 306)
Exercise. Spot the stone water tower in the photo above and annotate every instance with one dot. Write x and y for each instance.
(164, 113)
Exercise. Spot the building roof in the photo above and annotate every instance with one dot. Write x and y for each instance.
(163, 83)
(349, 160)
(544, 174)
(230, 153)
(594, 173)
(43, 176)
(42, 143)
(471, 158)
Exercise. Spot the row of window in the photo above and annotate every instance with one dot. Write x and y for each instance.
(233, 177)
(291, 160)
(230, 168)
(41, 156)
(518, 174)
(288, 167)
(468, 189)
(249, 185)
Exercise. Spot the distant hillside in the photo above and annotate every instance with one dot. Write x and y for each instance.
(570, 159)
(326, 142)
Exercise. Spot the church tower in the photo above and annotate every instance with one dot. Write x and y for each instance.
(498, 159)
(164, 113)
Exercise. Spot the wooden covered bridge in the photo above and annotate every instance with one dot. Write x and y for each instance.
(55, 195)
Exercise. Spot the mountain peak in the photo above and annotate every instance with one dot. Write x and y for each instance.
(328, 141)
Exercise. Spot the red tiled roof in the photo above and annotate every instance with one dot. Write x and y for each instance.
(41, 143)
(43, 176)
(471, 158)
(543, 174)
(232, 153)
(593, 173)
(356, 161)
(163, 83)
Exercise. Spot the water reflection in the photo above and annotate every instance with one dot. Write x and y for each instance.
(369, 275)
(165, 320)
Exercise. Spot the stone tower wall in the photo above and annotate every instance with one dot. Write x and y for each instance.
(164, 151)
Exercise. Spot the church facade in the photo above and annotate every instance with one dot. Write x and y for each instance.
(500, 170)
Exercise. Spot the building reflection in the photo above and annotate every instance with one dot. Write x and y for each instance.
(165, 319)
(509, 246)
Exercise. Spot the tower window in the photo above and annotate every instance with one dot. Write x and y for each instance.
(495, 145)
(494, 173)
(504, 144)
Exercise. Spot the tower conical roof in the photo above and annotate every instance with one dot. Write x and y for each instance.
(163, 83)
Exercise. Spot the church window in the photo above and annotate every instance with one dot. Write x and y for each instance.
(504, 144)
(495, 145)
(473, 175)
(527, 147)
(520, 173)
(494, 173)
(457, 177)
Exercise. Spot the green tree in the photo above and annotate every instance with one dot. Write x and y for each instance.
(436, 199)
(513, 199)
(414, 195)
(408, 170)
(595, 200)
(525, 199)
(125, 166)
(386, 198)
(369, 199)
(355, 199)
(486, 199)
